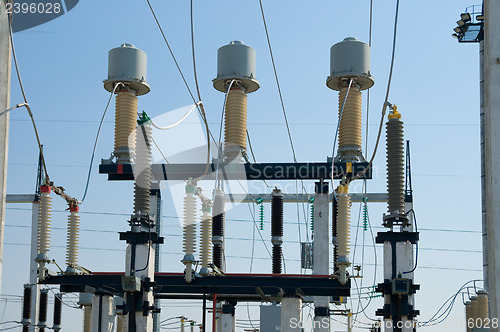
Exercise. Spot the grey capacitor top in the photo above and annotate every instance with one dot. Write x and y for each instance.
(127, 64)
(236, 61)
(350, 59)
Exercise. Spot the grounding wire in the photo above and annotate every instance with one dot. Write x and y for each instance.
(97, 140)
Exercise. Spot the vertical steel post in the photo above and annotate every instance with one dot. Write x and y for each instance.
(321, 253)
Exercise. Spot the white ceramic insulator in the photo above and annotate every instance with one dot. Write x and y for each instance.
(350, 123)
(72, 239)
(44, 220)
(142, 188)
(235, 127)
(206, 239)
(189, 233)
(125, 120)
(343, 225)
(395, 166)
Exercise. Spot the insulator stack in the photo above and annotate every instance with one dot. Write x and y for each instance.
(277, 229)
(44, 220)
(189, 230)
(468, 315)
(235, 126)
(350, 74)
(482, 306)
(236, 65)
(142, 172)
(395, 164)
(206, 236)
(350, 122)
(127, 69)
(334, 233)
(26, 321)
(72, 237)
(218, 222)
(125, 123)
(343, 222)
(42, 312)
(57, 312)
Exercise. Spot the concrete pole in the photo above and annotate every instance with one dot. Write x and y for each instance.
(492, 148)
(35, 290)
(103, 313)
(321, 253)
(291, 314)
(5, 64)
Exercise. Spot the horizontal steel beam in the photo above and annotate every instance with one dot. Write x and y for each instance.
(237, 286)
(248, 171)
(15, 198)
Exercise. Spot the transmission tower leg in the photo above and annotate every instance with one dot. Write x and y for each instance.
(291, 314)
(321, 253)
(103, 313)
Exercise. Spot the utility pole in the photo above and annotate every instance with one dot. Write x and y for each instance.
(5, 63)
(491, 11)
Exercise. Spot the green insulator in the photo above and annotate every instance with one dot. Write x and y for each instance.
(311, 201)
(260, 203)
(365, 213)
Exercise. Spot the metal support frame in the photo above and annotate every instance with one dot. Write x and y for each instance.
(249, 171)
(243, 287)
(321, 252)
(156, 212)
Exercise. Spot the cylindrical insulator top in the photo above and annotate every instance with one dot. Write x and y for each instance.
(45, 189)
(236, 61)
(277, 213)
(74, 209)
(127, 64)
(350, 59)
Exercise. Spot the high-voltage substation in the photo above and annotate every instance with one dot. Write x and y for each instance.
(134, 294)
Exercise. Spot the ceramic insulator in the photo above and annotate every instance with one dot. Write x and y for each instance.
(142, 187)
(395, 166)
(343, 224)
(125, 123)
(44, 220)
(235, 127)
(206, 237)
(72, 238)
(189, 224)
(350, 123)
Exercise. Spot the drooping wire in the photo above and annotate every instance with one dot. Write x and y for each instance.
(282, 106)
(97, 140)
(384, 107)
(25, 104)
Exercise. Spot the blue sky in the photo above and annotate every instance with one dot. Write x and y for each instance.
(435, 85)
